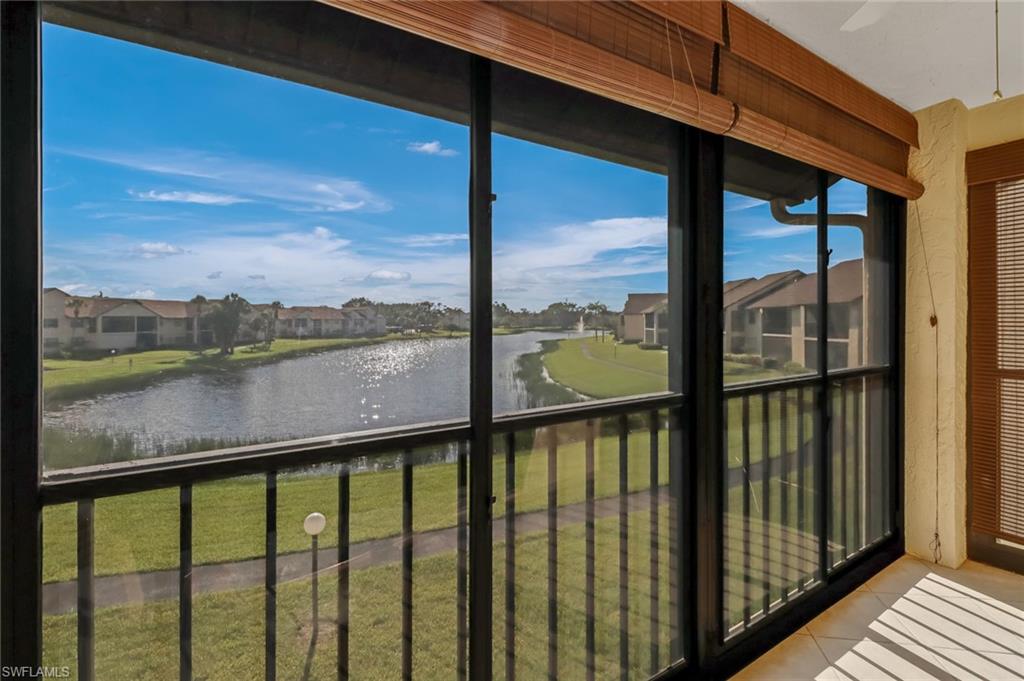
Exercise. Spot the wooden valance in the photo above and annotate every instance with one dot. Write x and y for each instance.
(704, 63)
(991, 164)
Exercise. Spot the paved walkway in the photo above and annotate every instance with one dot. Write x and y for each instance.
(61, 597)
(585, 351)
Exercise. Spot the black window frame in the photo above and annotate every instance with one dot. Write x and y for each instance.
(694, 400)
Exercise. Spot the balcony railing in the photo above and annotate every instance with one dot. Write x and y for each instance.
(588, 547)
(586, 561)
(774, 516)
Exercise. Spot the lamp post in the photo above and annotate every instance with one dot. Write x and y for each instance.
(313, 525)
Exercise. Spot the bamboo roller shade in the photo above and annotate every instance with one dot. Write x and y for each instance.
(758, 43)
(996, 339)
(637, 53)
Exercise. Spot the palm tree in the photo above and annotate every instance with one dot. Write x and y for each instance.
(271, 330)
(76, 305)
(199, 300)
(260, 324)
(225, 318)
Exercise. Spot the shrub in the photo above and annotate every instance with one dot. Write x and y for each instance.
(794, 368)
(752, 360)
(770, 363)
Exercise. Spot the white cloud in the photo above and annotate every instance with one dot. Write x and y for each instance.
(432, 148)
(737, 202)
(202, 198)
(780, 231)
(158, 249)
(429, 240)
(795, 258)
(596, 260)
(123, 216)
(587, 261)
(249, 179)
(142, 293)
(388, 275)
(258, 277)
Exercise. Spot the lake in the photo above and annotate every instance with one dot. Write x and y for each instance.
(390, 384)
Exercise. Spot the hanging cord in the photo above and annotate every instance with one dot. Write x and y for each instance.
(671, 69)
(936, 543)
(693, 78)
(998, 94)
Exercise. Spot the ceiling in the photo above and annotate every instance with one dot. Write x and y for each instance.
(915, 53)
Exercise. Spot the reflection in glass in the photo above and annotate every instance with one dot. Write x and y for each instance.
(770, 261)
(859, 279)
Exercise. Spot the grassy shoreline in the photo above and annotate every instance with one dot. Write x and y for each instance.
(601, 367)
(70, 379)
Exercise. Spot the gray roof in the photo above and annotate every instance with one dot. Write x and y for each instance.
(845, 284)
(637, 303)
(751, 290)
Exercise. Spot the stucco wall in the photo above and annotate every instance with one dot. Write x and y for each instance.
(936, 247)
(936, 357)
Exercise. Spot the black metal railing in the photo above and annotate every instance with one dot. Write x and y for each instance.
(769, 542)
(604, 487)
(773, 464)
(859, 464)
(590, 484)
(606, 454)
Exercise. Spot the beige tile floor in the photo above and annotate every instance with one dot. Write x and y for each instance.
(913, 620)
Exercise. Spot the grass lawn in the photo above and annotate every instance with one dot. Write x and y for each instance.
(139, 641)
(602, 368)
(228, 516)
(71, 378)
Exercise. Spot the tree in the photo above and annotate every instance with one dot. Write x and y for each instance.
(598, 315)
(75, 304)
(225, 317)
(199, 301)
(563, 314)
(271, 330)
(358, 302)
(262, 324)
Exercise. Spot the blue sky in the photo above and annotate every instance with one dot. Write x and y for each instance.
(166, 176)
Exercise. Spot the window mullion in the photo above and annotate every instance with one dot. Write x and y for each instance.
(480, 363)
(822, 418)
